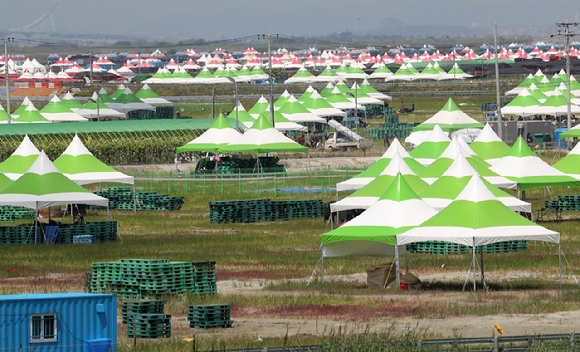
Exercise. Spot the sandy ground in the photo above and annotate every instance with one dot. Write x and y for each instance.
(290, 164)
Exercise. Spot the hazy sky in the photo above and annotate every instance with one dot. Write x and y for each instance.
(232, 19)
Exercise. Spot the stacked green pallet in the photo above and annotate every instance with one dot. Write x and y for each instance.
(149, 326)
(231, 166)
(564, 203)
(105, 231)
(15, 213)
(247, 211)
(444, 248)
(141, 307)
(161, 112)
(204, 277)
(142, 278)
(18, 235)
(207, 316)
(122, 198)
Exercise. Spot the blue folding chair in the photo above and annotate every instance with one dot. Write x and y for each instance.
(50, 234)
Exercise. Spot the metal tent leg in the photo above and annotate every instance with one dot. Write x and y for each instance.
(482, 271)
(406, 263)
(474, 271)
(398, 272)
(560, 262)
(322, 277)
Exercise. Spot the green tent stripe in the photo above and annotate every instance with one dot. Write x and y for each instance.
(383, 234)
(490, 150)
(17, 164)
(68, 164)
(39, 185)
(447, 127)
(477, 215)
(429, 150)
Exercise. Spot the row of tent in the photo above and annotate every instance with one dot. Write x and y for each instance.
(69, 109)
(445, 190)
(29, 179)
(538, 95)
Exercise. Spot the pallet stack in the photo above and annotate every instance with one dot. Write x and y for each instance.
(247, 211)
(142, 278)
(105, 231)
(209, 316)
(141, 307)
(122, 198)
(15, 213)
(161, 112)
(230, 166)
(204, 278)
(149, 326)
(444, 248)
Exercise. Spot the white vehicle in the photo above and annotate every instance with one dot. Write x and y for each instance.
(345, 139)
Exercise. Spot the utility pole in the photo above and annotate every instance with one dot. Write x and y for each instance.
(270, 75)
(498, 114)
(7, 77)
(567, 34)
(91, 61)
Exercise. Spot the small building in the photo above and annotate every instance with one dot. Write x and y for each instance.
(58, 322)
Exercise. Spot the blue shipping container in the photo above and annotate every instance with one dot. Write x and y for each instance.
(76, 322)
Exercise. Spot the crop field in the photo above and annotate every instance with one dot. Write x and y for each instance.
(270, 272)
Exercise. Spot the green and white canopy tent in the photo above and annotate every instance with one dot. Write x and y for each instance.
(367, 89)
(523, 105)
(454, 73)
(258, 108)
(282, 100)
(362, 97)
(320, 107)
(477, 218)
(30, 115)
(443, 191)
(373, 232)
(488, 146)
(432, 172)
(283, 124)
(369, 194)
(56, 111)
(328, 75)
(327, 90)
(429, 72)
(262, 137)
(295, 112)
(148, 96)
(524, 85)
(523, 166)
(570, 164)
(71, 102)
(556, 104)
(381, 72)
(538, 94)
(339, 101)
(83, 168)
(367, 176)
(97, 109)
(342, 87)
(217, 136)
(42, 185)
(104, 97)
(119, 91)
(307, 93)
(245, 119)
(21, 160)
(450, 118)
(21, 108)
(301, 76)
(402, 74)
(430, 149)
(129, 102)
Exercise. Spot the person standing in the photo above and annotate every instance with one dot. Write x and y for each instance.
(413, 107)
(402, 107)
(386, 142)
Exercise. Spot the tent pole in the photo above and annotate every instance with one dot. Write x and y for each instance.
(519, 193)
(108, 214)
(474, 271)
(36, 223)
(134, 199)
(560, 261)
(397, 273)
(482, 270)
(308, 162)
(322, 279)
(406, 263)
